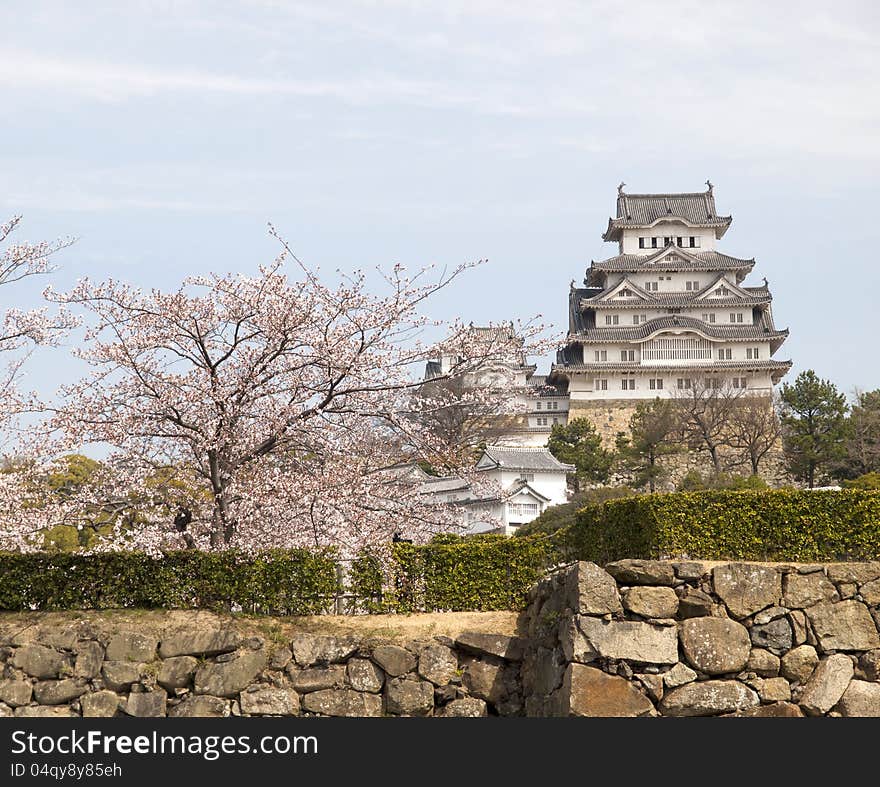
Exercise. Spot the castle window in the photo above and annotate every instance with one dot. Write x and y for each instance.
(553, 405)
(651, 286)
(708, 317)
(542, 422)
(739, 382)
(537, 405)
(694, 242)
(684, 384)
(601, 355)
(527, 477)
(667, 240)
(641, 243)
(725, 354)
(712, 382)
(555, 421)
(654, 243)
(600, 384)
(736, 317)
(627, 355)
(628, 384)
(655, 384)
(612, 319)
(640, 319)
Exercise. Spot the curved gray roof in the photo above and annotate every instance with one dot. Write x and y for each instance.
(515, 458)
(642, 210)
(682, 260)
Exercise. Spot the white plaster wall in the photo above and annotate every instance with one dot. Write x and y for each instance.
(630, 239)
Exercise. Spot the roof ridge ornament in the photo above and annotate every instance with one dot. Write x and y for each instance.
(620, 188)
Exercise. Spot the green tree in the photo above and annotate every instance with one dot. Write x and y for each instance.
(652, 428)
(578, 444)
(814, 428)
(862, 444)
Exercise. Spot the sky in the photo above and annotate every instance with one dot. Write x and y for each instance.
(165, 135)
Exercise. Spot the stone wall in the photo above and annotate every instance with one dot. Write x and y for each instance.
(81, 669)
(651, 638)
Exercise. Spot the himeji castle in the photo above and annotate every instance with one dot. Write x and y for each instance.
(668, 312)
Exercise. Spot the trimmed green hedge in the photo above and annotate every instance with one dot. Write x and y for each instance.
(280, 582)
(776, 525)
(477, 573)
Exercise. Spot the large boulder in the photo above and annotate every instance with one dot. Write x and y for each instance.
(845, 625)
(636, 641)
(746, 588)
(715, 645)
(363, 675)
(709, 698)
(228, 678)
(591, 591)
(200, 706)
(119, 675)
(438, 664)
(38, 661)
(642, 572)
(99, 704)
(268, 701)
(89, 657)
(311, 649)
(775, 636)
(317, 678)
(394, 659)
(177, 672)
(485, 681)
(146, 704)
(408, 697)
(798, 664)
(826, 685)
(59, 692)
(861, 698)
(199, 641)
(131, 646)
(763, 662)
(591, 692)
(343, 702)
(694, 603)
(466, 707)
(651, 602)
(15, 692)
(804, 590)
(679, 675)
(499, 645)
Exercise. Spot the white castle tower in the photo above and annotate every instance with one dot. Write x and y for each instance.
(667, 312)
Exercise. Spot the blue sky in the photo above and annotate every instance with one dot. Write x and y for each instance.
(165, 135)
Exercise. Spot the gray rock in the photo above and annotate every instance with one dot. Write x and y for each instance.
(870, 592)
(798, 664)
(318, 678)
(208, 641)
(200, 706)
(499, 645)
(804, 590)
(861, 698)
(763, 663)
(45, 712)
(146, 704)
(775, 636)
(846, 625)
(343, 702)
(869, 663)
(280, 658)
(99, 704)
(774, 690)
(177, 672)
(89, 657)
(694, 603)
(709, 698)
(642, 572)
(826, 685)
(689, 570)
(854, 573)
(651, 602)
(229, 678)
(59, 692)
(590, 692)
(679, 675)
(485, 681)
(438, 664)
(38, 661)
(632, 640)
(15, 692)
(798, 621)
(715, 645)
(363, 675)
(466, 707)
(591, 591)
(746, 588)
(266, 701)
(394, 660)
(408, 697)
(310, 649)
(131, 646)
(119, 675)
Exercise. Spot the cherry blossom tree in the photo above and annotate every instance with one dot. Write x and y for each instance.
(280, 411)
